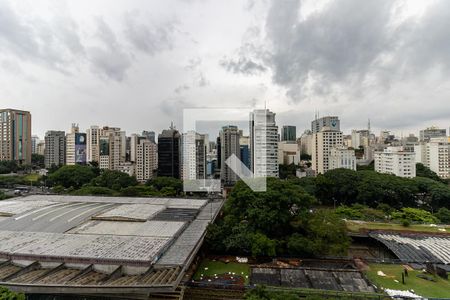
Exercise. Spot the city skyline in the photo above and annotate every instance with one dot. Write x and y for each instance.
(137, 65)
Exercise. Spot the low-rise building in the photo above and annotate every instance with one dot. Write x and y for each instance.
(288, 153)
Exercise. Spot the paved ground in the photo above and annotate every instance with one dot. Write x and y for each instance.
(56, 218)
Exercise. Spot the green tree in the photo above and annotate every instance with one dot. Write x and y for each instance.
(72, 176)
(262, 245)
(369, 167)
(443, 215)
(94, 190)
(139, 191)
(37, 160)
(415, 215)
(114, 180)
(423, 171)
(432, 194)
(260, 292)
(374, 189)
(326, 234)
(288, 171)
(9, 295)
(268, 212)
(8, 166)
(166, 182)
(275, 222)
(340, 186)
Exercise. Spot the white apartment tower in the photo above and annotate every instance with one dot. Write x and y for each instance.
(112, 148)
(146, 159)
(396, 161)
(341, 157)
(194, 149)
(434, 154)
(263, 143)
(323, 141)
(92, 143)
(70, 145)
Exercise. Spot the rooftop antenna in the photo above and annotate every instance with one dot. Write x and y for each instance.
(171, 125)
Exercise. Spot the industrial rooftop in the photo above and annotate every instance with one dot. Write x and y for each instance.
(61, 244)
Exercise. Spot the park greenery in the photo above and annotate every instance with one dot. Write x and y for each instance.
(262, 293)
(437, 288)
(385, 213)
(11, 166)
(90, 180)
(279, 221)
(348, 187)
(212, 268)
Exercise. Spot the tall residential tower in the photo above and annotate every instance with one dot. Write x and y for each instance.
(263, 143)
(15, 135)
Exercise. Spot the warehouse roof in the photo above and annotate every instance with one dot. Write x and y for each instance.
(93, 245)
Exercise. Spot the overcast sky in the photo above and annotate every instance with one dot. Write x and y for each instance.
(136, 64)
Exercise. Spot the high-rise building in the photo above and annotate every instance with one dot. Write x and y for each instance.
(34, 142)
(342, 158)
(146, 159)
(92, 144)
(55, 148)
(244, 144)
(289, 133)
(431, 132)
(384, 136)
(169, 153)
(75, 147)
(396, 161)
(194, 156)
(435, 154)
(229, 143)
(331, 122)
(40, 148)
(306, 141)
(15, 135)
(323, 141)
(263, 143)
(150, 135)
(112, 148)
(360, 138)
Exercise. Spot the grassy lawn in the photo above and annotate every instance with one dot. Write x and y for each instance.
(31, 177)
(357, 226)
(210, 268)
(422, 287)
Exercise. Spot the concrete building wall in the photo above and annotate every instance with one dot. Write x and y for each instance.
(263, 143)
(55, 148)
(323, 142)
(396, 161)
(435, 154)
(341, 157)
(15, 136)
